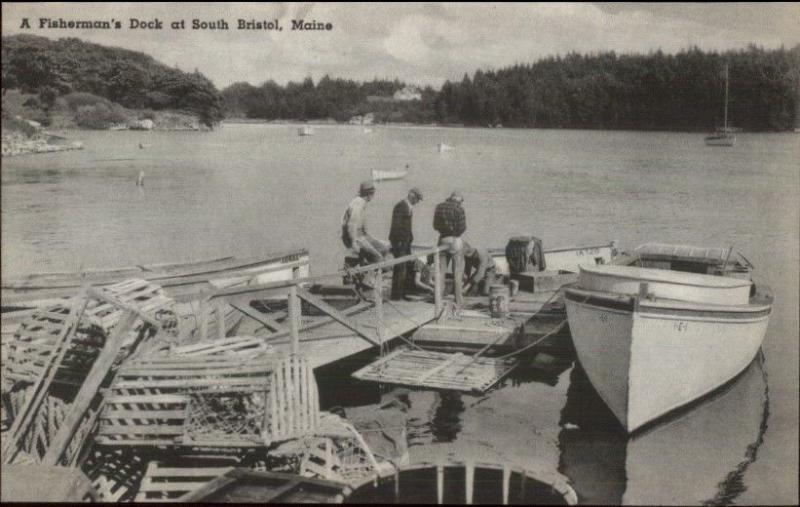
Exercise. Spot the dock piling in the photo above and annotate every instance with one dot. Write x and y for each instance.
(437, 283)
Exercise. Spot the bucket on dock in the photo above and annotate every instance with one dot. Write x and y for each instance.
(499, 296)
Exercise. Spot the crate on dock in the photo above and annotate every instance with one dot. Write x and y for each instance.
(437, 370)
(541, 281)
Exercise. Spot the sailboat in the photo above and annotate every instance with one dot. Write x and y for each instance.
(723, 137)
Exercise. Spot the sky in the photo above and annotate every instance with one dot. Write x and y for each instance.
(421, 43)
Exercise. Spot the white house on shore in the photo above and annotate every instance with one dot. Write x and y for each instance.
(410, 92)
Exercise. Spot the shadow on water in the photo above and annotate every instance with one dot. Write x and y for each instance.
(34, 177)
(440, 422)
(702, 450)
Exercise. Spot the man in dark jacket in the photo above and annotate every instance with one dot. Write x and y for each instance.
(401, 236)
(450, 221)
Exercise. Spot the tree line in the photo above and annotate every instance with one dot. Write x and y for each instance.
(684, 91)
(339, 99)
(656, 91)
(50, 69)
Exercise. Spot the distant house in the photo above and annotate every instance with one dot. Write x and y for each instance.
(379, 98)
(145, 124)
(408, 93)
(367, 119)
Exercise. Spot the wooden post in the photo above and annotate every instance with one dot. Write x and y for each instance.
(203, 311)
(294, 319)
(219, 307)
(89, 389)
(439, 484)
(506, 481)
(294, 313)
(469, 471)
(379, 306)
(437, 283)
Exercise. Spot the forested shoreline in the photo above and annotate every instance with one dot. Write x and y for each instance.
(656, 91)
(101, 86)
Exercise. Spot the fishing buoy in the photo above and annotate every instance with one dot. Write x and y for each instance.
(140, 179)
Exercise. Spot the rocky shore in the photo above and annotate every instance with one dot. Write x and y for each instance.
(14, 143)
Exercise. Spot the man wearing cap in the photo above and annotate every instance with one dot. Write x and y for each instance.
(354, 227)
(401, 236)
(450, 221)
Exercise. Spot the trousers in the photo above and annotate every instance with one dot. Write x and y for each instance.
(400, 272)
(455, 252)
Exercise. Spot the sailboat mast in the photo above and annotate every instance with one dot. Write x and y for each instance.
(725, 120)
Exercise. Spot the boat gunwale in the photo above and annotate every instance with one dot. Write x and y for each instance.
(137, 272)
(660, 276)
(502, 250)
(629, 302)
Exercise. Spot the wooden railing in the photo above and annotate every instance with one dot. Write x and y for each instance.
(294, 291)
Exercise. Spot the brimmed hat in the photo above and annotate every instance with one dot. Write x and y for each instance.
(367, 187)
(416, 193)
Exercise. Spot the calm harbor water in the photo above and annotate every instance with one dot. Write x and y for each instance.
(251, 189)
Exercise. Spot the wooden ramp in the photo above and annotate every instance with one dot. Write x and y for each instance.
(437, 370)
(324, 340)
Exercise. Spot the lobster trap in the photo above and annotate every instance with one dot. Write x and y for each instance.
(210, 401)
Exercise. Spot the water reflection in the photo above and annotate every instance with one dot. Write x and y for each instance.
(696, 456)
(34, 177)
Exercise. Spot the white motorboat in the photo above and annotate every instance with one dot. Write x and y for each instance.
(305, 130)
(445, 147)
(658, 334)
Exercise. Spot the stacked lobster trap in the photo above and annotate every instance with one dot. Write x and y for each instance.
(124, 384)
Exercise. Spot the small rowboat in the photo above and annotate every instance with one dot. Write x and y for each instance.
(388, 175)
(21, 295)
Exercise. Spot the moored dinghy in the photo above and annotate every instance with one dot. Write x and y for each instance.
(652, 340)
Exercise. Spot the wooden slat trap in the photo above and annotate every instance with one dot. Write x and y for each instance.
(33, 345)
(115, 473)
(167, 482)
(229, 400)
(438, 370)
(62, 356)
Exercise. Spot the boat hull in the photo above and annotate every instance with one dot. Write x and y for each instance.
(725, 141)
(388, 175)
(646, 360)
(177, 280)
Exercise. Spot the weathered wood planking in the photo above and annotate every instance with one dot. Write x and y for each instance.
(325, 341)
(166, 482)
(437, 370)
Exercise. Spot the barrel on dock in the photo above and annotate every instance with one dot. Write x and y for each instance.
(464, 483)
